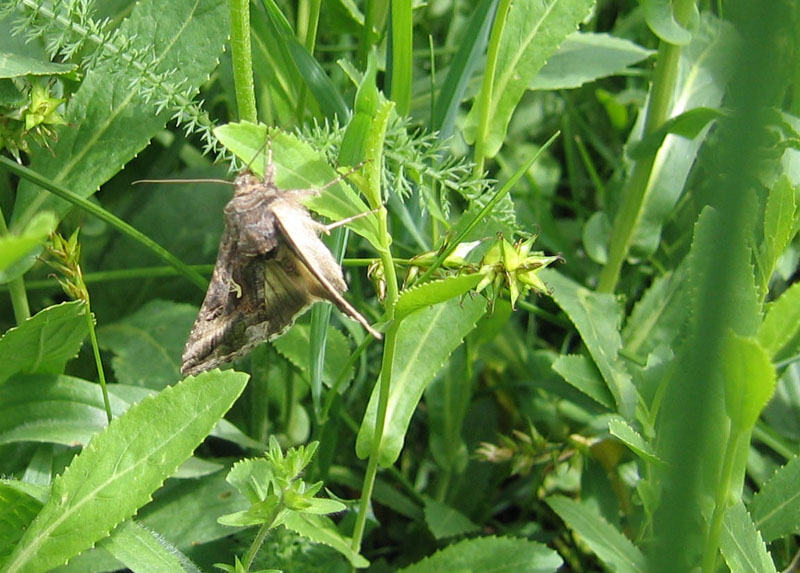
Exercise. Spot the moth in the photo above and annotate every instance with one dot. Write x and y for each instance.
(270, 268)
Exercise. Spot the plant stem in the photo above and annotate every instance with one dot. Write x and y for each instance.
(402, 51)
(259, 540)
(635, 189)
(484, 100)
(307, 25)
(242, 60)
(377, 435)
(101, 375)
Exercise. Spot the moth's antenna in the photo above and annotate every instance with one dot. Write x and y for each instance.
(346, 220)
(182, 181)
(269, 166)
(342, 177)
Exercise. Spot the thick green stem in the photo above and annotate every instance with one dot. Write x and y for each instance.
(242, 60)
(402, 49)
(484, 100)
(635, 189)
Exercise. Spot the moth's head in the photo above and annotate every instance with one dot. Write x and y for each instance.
(246, 182)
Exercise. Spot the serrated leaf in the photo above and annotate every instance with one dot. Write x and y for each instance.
(44, 342)
(776, 507)
(294, 346)
(140, 549)
(147, 344)
(779, 218)
(444, 521)
(532, 32)
(605, 541)
(425, 341)
(15, 248)
(496, 554)
(584, 57)
(581, 373)
(252, 478)
(434, 292)
(782, 322)
(741, 544)
(321, 529)
(597, 317)
(120, 469)
(299, 166)
(16, 65)
(631, 438)
(108, 123)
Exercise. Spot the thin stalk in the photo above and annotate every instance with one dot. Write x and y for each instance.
(259, 540)
(16, 287)
(242, 59)
(484, 99)
(101, 375)
(307, 26)
(377, 436)
(402, 52)
(635, 189)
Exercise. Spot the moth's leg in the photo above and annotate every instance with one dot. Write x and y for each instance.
(347, 220)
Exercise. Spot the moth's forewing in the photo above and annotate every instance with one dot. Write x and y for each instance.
(300, 231)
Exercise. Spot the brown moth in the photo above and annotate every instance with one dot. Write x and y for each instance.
(270, 268)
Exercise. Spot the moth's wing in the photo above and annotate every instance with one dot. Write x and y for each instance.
(300, 232)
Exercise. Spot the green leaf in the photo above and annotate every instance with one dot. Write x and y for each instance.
(16, 65)
(779, 219)
(445, 521)
(581, 373)
(631, 438)
(17, 509)
(782, 322)
(425, 341)
(495, 554)
(26, 244)
(596, 316)
(108, 123)
(749, 380)
(610, 546)
(294, 346)
(147, 344)
(321, 529)
(687, 125)
(776, 507)
(584, 57)
(140, 549)
(532, 32)
(741, 544)
(434, 292)
(298, 166)
(120, 469)
(44, 342)
(658, 14)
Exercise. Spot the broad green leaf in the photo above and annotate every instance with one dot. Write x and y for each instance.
(610, 546)
(147, 344)
(596, 316)
(584, 57)
(16, 65)
(532, 32)
(17, 509)
(425, 341)
(631, 438)
(749, 380)
(298, 166)
(321, 529)
(741, 544)
(143, 550)
(701, 82)
(44, 342)
(782, 322)
(205, 499)
(444, 521)
(108, 122)
(448, 399)
(779, 220)
(294, 346)
(495, 554)
(581, 373)
(659, 17)
(16, 247)
(120, 469)
(776, 507)
(595, 236)
(687, 125)
(434, 292)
